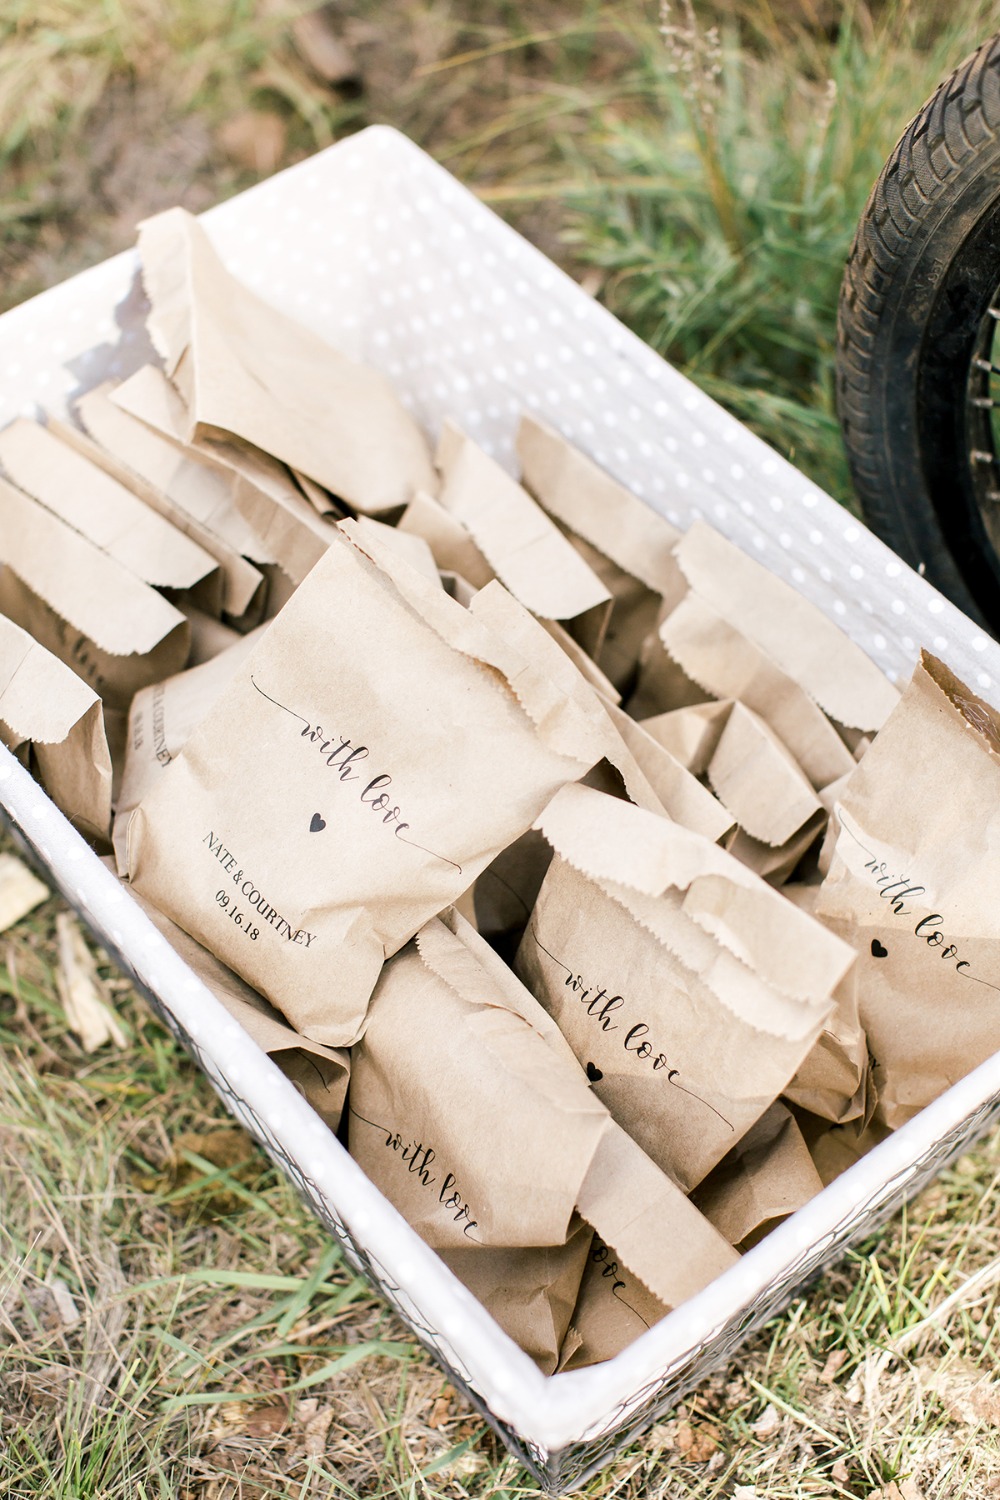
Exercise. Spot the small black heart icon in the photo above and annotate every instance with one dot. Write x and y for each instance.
(877, 950)
(594, 1073)
(316, 823)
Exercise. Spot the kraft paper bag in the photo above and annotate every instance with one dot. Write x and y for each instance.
(753, 776)
(161, 720)
(691, 733)
(471, 1114)
(192, 493)
(319, 1073)
(246, 369)
(696, 643)
(502, 613)
(788, 630)
(376, 751)
(689, 989)
(105, 512)
(256, 504)
(764, 1178)
(913, 886)
(55, 722)
(626, 543)
(525, 549)
(209, 636)
(834, 1081)
(612, 1309)
(452, 546)
(834, 1148)
(680, 794)
(115, 632)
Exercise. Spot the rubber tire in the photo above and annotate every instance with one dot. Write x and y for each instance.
(922, 273)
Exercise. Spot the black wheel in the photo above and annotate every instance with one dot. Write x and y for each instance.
(918, 361)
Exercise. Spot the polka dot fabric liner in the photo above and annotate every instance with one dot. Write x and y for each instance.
(384, 254)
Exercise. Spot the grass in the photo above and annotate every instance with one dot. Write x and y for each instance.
(171, 1321)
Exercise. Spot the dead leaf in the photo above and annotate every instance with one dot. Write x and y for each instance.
(745, 1492)
(88, 1013)
(442, 1408)
(315, 39)
(255, 139)
(266, 1421)
(965, 1392)
(840, 1474)
(892, 1491)
(315, 1423)
(20, 891)
(696, 1443)
(223, 1148)
(67, 1309)
(767, 1423)
(834, 1360)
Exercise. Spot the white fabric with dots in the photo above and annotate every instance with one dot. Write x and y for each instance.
(383, 253)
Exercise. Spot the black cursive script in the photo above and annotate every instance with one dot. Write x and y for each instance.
(345, 758)
(418, 1158)
(930, 929)
(602, 1007)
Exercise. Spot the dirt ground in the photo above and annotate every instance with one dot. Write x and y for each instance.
(142, 148)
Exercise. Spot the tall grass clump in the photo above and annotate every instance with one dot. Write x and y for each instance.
(723, 187)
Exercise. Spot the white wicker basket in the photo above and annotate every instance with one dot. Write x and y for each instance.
(379, 250)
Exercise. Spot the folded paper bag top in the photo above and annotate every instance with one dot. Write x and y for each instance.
(689, 989)
(245, 368)
(795, 635)
(913, 885)
(46, 707)
(115, 631)
(99, 507)
(625, 542)
(374, 753)
(471, 1114)
(525, 549)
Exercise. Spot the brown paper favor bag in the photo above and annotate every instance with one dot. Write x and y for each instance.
(689, 989)
(698, 643)
(612, 1309)
(319, 1073)
(834, 1148)
(160, 723)
(411, 548)
(83, 606)
(105, 512)
(195, 495)
(680, 794)
(626, 543)
(453, 549)
(209, 636)
(501, 612)
(754, 778)
(57, 722)
(790, 631)
(373, 755)
(764, 1178)
(912, 886)
(247, 369)
(692, 733)
(526, 551)
(261, 493)
(834, 1081)
(471, 1114)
